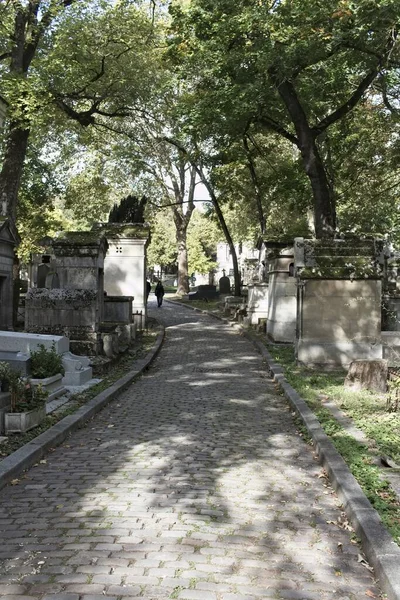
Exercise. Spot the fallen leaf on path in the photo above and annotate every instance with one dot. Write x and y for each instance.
(14, 481)
(370, 594)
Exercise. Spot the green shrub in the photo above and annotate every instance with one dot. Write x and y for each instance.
(46, 363)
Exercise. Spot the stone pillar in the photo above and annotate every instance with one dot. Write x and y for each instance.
(338, 302)
(9, 239)
(125, 266)
(257, 302)
(391, 309)
(281, 324)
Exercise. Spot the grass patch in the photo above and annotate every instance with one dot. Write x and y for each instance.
(368, 412)
(118, 369)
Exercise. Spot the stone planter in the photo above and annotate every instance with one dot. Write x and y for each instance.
(22, 422)
(53, 385)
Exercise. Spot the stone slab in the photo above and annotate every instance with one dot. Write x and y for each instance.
(18, 361)
(11, 341)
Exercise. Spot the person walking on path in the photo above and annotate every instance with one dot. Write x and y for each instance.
(159, 292)
(148, 289)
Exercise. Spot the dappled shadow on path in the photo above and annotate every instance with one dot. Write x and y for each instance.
(195, 480)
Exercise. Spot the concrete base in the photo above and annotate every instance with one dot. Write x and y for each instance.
(18, 361)
(5, 404)
(22, 422)
(312, 353)
(77, 378)
(53, 385)
(281, 331)
(77, 369)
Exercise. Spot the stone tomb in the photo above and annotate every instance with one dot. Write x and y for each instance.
(282, 292)
(9, 238)
(77, 369)
(125, 264)
(257, 302)
(76, 308)
(338, 302)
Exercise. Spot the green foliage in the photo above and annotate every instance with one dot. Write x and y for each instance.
(369, 413)
(202, 238)
(24, 396)
(235, 58)
(162, 249)
(46, 363)
(37, 214)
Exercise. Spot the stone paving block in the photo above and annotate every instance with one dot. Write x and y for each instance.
(12, 589)
(197, 595)
(62, 596)
(84, 588)
(128, 590)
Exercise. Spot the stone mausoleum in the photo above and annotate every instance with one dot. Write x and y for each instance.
(125, 264)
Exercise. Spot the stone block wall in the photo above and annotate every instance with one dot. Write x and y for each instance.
(340, 322)
(338, 302)
(73, 313)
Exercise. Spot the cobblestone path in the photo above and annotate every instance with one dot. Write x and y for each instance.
(193, 485)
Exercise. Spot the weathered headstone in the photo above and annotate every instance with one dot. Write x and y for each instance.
(224, 284)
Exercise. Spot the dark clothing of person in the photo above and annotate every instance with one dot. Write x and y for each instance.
(159, 292)
(148, 289)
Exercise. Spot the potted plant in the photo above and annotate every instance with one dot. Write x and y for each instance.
(47, 370)
(28, 402)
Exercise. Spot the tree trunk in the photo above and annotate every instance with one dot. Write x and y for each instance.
(224, 227)
(183, 274)
(256, 185)
(324, 209)
(11, 172)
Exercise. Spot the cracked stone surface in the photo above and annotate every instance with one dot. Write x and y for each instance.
(194, 484)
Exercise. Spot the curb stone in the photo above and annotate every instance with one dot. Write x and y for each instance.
(378, 545)
(33, 451)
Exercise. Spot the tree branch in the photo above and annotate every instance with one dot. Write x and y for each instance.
(361, 88)
(273, 125)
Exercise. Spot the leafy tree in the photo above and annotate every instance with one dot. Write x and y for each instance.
(203, 236)
(295, 68)
(162, 248)
(85, 60)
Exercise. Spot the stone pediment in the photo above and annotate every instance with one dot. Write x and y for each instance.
(8, 232)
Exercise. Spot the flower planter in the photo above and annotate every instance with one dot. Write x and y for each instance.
(53, 385)
(22, 422)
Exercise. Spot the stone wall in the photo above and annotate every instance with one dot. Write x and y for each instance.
(339, 321)
(338, 302)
